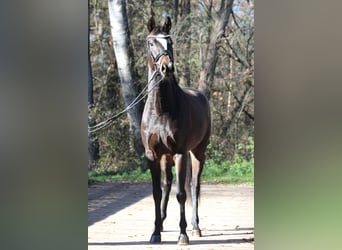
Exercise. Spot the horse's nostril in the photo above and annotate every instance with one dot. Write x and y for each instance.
(170, 66)
(167, 68)
(164, 68)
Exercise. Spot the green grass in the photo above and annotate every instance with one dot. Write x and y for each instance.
(217, 168)
(237, 171)
(135, 175)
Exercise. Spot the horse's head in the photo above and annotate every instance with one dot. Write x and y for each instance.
(159, 47)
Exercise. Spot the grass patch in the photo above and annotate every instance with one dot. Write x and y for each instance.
(135, 175)
(238, 171)
(217, 169)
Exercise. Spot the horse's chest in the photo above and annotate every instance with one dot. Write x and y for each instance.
(161, 135)
(163, 126)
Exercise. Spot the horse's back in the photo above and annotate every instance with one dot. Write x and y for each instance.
(197, 97)
(198, 101)
(199, 115)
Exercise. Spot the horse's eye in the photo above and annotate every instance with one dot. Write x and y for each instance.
(150, 44)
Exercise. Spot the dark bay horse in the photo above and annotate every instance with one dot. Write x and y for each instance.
(175, 125)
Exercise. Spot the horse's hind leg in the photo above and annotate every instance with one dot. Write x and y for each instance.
(197, 166)
(165, 165)
(157, 195)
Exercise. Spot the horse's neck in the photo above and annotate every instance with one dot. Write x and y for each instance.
(163, 97)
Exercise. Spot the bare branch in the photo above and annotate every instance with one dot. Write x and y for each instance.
(236, 23)
(235, 56)
(243, 103)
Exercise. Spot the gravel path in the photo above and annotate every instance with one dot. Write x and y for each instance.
(121, 216)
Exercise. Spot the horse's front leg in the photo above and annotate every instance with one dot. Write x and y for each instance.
(157, 195)
(180, 164)
(166, 165)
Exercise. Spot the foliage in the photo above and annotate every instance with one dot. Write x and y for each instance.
(232, 93)
(240, 169)
(216, 169)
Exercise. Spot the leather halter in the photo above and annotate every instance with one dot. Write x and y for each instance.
(164, 52)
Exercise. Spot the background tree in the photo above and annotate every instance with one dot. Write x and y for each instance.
(208, 72)
(93, 146)
(124, 59)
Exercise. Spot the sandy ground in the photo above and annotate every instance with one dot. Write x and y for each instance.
(121, 216)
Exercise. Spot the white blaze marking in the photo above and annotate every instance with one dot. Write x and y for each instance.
(162, 41)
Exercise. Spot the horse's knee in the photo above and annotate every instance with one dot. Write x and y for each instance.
(181, 197)
(167, 187)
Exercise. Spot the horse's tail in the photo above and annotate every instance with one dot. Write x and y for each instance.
(188, 178)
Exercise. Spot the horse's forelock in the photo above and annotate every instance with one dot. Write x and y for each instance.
(158, 30)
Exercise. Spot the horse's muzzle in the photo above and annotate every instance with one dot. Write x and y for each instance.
(167, 68)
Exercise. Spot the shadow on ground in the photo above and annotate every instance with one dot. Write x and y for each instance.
(174, 243)
(105, 199)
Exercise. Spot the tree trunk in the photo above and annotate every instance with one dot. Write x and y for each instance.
(90, 82)
(184, 79)
(93, 145)
(175, 16)
(124, 58)
(208, 72)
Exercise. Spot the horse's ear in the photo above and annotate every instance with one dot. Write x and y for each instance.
(167, 24)
(151, 24)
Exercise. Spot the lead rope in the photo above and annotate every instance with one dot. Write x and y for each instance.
(138, 99)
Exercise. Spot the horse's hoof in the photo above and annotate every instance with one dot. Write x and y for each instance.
(197, 233)
(183, 239)
(155, 239)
